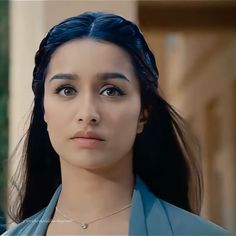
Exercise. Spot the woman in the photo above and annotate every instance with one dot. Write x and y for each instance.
(104, 153)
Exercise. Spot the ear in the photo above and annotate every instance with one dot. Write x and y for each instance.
(44, 117)
(143, 118)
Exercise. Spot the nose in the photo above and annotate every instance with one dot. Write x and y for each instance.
(87, 113)
(91, 120)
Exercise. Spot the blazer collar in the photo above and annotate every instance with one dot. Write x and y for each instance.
(148, 214)
(47, 214)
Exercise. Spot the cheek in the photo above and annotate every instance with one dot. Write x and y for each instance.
(55, 119)
(54, 113)
(126, 118)
(124, 131)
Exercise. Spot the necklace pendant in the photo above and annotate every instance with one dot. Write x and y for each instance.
(84, 226)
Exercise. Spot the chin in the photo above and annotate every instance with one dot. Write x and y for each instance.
(86, 163)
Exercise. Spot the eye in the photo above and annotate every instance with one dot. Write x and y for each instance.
(112, 91)
(65, 90)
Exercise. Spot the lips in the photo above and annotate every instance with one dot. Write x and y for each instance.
(87, 139)
(87, 135)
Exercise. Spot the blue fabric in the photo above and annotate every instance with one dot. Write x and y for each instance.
(149, 216)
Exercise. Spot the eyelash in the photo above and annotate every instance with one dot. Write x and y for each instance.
(114, 88)
(62, 87)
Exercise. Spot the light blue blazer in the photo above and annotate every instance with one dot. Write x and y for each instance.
(149, 216)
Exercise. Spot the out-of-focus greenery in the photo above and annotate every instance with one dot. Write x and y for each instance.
(3, 94)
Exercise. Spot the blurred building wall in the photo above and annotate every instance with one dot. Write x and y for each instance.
(195, 47)
(197, 75)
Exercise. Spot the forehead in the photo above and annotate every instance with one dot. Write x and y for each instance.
(89, 55)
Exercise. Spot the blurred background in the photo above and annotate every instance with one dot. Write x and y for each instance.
(195, 46)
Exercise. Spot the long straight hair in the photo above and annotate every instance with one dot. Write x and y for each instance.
(163, 153)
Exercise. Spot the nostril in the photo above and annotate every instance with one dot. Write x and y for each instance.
(89, 119)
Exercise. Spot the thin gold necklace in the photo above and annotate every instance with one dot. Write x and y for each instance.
(85, 225)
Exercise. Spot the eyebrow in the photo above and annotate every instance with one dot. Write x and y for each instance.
(64, 76)
(114, 75)
(101, 76)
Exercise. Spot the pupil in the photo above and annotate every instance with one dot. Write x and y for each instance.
(110, 92)
(67, 91)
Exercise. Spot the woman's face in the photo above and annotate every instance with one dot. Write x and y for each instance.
(92, 104)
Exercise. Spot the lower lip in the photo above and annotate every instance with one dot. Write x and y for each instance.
(87, 143)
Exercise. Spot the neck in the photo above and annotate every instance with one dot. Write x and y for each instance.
(90, 194)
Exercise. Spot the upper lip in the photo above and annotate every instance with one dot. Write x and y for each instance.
(88, 135)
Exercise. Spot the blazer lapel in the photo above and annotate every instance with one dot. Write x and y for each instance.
(148, 215)
(46, 217)
(137, 222)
